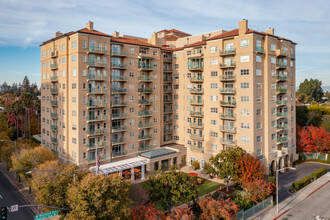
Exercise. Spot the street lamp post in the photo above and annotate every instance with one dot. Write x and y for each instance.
(277, 182)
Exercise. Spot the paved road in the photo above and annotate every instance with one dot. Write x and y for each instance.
(315, 206)
(302, 170)
(10, 196)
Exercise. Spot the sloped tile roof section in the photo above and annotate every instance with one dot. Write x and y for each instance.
(172, 36)
(86, 31)
(132, 41)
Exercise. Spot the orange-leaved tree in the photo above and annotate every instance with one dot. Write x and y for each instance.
(147, 212)
(179, 213)
(216, 209)
(249, 169)
(259, 189)
(313, 139)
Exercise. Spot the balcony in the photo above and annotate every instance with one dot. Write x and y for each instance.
(196, 102)
(145, 113)
(227, 116)
(259, 50)
(146, 125)
(145, 137)
(282, 127)
(167, 59)
(54, 66)
(96, 90)
(227, 141)
(53, 79)
(53, 103)
(197, 79)
(145, 102)
(227, 129)
(196, 125)
(225, 65)
(120, 66)
(118, 129)
(92, 159)
(226, 52)
(167, 100)
(145, 148)
(198, 67)
(118, 153)
(53, 115)
(281, 89)
(118, 90)
(168, 121)
(167, 90)
(196, 148)
(120, 140)
(54, 54)
(119, 53)
(260, 157)
(119, 116)
(168, 138)
(196, 113)
(167, 131)
(146, 54)
(53, 127)
(281, 77)
(93, 145)
(280, 65)
(146, 67)
(293, 56)
(145, 90)
(196, 91)
(273, 154)
(96, 50)
(227, 77)
(95, 77)
(119, 78)
(54, 140)
(92, 118)
(167, 80)
(227, 90)
(282, 139)
(168, 111)
(281, 53)
(281, 102)
(281, 114)
(96, 104)
(197, 137)
(167, 69)
(96, 131)
(145, 79)
(53, 91)
(228, 103)
(118, 103)
(92, 63)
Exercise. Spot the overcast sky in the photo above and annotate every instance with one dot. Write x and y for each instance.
(25, 24)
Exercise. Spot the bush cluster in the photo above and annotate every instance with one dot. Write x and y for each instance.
(301, 183)
(318, 173)
(195, 165)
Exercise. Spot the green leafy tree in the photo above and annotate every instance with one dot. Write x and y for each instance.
(225, 163)
(100, 197)
(302, 117)
(171, 188)
(312, 88)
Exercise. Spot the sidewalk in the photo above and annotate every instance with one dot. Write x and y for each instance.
(294, 199)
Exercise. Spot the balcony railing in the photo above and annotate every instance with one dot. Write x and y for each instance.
(231, 64)
(228, 116)
(196, 125)
(196, 102)
(119, 78)
(281, 77)
(53, 78)
(281, 127)
(281, 53)
(167, 69)
(145, 113)
(168, 110)
(95, 77)
(167, 100)
(281, 89)
(227, 141)
(53, 127)
(146, 66)
(145, 102)
(53, 91)
(197, 136)
(227, 129)
(260, 157)
(197, 79)
(119, 65)
(282, 102)
(119, 128)
(227, 90)
(119, 53)
(53, 103)
(118, 140)
(118, 153)
(53, 115)
(227, 77)
(53, 66)
(95, 64)
(145, 78)
(93, 145)
(96, 104)
(95, 117)
(167, 59)
(144, 148)
(92, 159)
(145, 90)
(54, 54)
(196, 90)
(197, 66)
(118, 103)
(169, 130)
(53, 139)
(118, 115)
(167, 80)
(228, 103)
(95, 90)
(281, 65)
(118, 90)
(196, 113)
(282, 114)
(168, 121)
(196, 148)
(259, 49)
(146, 136)
(229, 51)
(96, 131)
(293, 56)
(282, 139)
(146, 125)
(96, 49)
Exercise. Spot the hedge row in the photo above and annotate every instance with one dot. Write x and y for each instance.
(301, 183)
(318, 173)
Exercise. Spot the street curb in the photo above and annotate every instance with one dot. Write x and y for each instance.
(25, 198)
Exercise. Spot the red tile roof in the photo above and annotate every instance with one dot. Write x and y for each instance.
(132, 41)
(173, 31)
(171, 36)
(85, 30)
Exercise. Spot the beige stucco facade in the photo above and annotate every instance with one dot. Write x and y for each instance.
(204, 92)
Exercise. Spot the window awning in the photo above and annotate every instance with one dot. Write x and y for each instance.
(157, 153)
(119, 165)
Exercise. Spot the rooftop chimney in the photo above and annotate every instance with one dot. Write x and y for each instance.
(90, 26)
(270, 31)
(115, 34)
(242, 27)
(57, 34)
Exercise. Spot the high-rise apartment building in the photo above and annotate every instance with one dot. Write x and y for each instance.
(168, 100)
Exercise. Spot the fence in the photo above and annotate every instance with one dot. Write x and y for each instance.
(245, 214)
(314, 156)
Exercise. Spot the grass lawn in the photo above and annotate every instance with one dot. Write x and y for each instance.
(207, 187)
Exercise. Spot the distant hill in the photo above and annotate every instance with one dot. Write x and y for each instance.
(326, 88)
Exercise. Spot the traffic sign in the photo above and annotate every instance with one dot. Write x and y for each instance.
(46, 215)
(13, 208)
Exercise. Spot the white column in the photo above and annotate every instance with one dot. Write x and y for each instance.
(142, 172)
(132, 173)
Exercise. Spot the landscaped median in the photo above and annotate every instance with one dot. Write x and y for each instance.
(307, 179)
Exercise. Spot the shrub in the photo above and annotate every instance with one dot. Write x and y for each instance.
(301, 183)
(195, 164)
(318, 173)
(272, 179)
(208, 168)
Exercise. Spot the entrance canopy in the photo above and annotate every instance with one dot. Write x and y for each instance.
(119, 165)
(158, 153)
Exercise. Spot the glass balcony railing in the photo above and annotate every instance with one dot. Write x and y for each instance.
(118, 153)
(53, 78)
(119, 65)
(282, 102)
(53, 66)
(282, 139)
(96, 90)
(119, 115)
(95, 77)
(196, 113)
(53, 103)
(144, 148)
(281, 65)
(227, 90)
(196, 102)
(92, 159)
(93, 49)
(281, 89)
(282, 114)
(228, 116)
(118, 103)
(53, 127)
(118, 90)
(119, 128)
(281, 77)
(197, 66)
(54, 91)
(228, 51)
(196, 90)
(227, 77)
(96, 64)
(118, 140)
(95, 117)
(145, 102)
(227, 129)
(196, 125)
(145, 78)
(145, 136)
(146, 125)
(53, 139)
(93, 145)
(119, 78)
(259, 49)
(96, 104)
(96, 131)
(227, 141)
(281, 127)
(196, 79)
(145, 113)
(229, 103)
(119, 52)
(146, 90)
(196, 148)
(53, 115)
(230, 64)
(197, 136)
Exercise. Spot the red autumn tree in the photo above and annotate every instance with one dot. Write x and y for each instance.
(147, 212)
(249, 169)
(313, 139)
(259, 189)
(214, 209)
(179, 213)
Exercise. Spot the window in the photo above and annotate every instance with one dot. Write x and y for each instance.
(214, 73)
(244, 59)
(245, 125)
(273, 47)
(258, 99)
(214, 85)
(214, 110)
(74, 72)
(258, 72)
(273, 60)
(258, 58)
(74, 127)
(131, 146)
(131, 50)
(131, 74)
(291, 63)
(74, 155)
(245, 85)
(214, 98)
(258, 85)
(214, 134)
(43, 54)
(74, 113)
(258, 139)
(244, 43)
(258, 125)
(131, 134)
(214, 122)
(258, 112)
(245, 98)
(63, 47)
(74, 99)
(213, 49)
(214, 146)
(214, 61)
(244, 72)
(84, 44)
(74, 85)
(74, 140)
(74, 58)
(273, 136)
(273, 98)
(245, 112)
(74, 44)
(245, 139)
(273, 111)
(273, 124)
